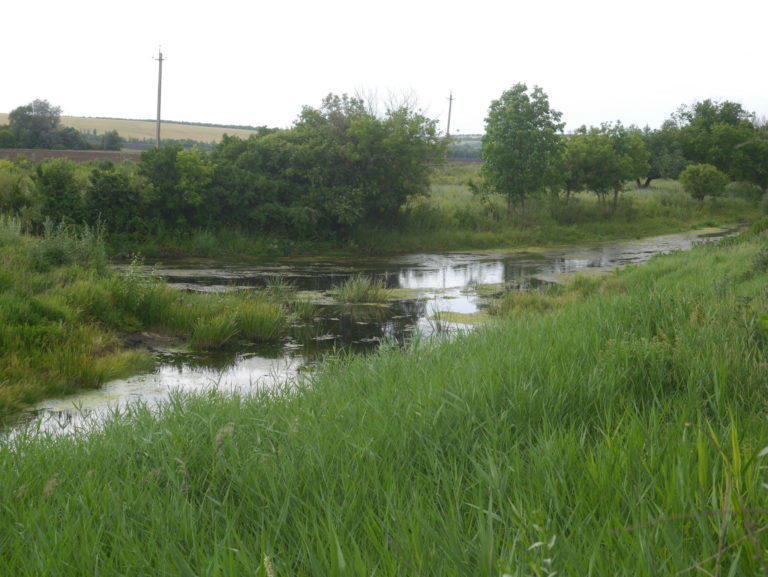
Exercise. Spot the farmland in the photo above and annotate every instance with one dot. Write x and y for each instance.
(146, 128)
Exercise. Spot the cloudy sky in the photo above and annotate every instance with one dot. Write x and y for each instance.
(240, 62)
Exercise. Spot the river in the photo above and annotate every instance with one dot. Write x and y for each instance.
(427, 288)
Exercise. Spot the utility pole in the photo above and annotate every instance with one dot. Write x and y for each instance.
(450, 107)
(159, 94)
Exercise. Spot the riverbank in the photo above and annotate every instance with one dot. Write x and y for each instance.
(452, 218)
(613, 432)
(68, 321)
(240, 247)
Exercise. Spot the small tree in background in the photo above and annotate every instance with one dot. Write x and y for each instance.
(602, 159)
(522, 143)
(111, 140)
(34, 123)
(700, 180)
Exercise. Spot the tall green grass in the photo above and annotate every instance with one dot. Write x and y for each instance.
(65, 316)
(620, 433)
(362, 289)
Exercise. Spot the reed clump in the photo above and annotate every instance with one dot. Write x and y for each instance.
(362, 289)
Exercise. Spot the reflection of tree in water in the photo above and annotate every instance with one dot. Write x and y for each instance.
(219, 360)
(452, 275)
(357, 327)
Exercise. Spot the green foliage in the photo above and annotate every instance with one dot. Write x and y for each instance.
(7, 138)
(362, 289)
(63, 244)
(64, 314)
(666, 159)
(602, 159)
(111, 140)
(60, 191)
(15, 189)
(745, 190)
(113, 198)
(700, 180)
(522, 143)
(724, 135)
(177, 182)
(618, 434)
(37, 125)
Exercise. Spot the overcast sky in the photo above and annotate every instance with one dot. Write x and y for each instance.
(240, 62)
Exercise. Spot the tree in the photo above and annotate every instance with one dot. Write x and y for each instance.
(521, 144)
(633, 155)
(665, 153)
(340, 166)
(60, 192)
(111, 140)
(360, 167)
(178, 180)
(701, 180)
(7, 139)
(602, 159)
(34, 123)
(726, 136)
(37, 125)
(113, 198)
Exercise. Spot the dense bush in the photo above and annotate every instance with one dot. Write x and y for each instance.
(745, 190)
(700, 180)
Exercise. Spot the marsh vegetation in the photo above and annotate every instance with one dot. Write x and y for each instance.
(623, 418)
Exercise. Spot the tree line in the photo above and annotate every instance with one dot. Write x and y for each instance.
(38, 125)
(705, 145)
(340, 166)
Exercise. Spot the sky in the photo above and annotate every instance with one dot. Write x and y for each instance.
(257, 63)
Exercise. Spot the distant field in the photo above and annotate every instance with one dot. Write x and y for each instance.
(146, 128)
(40, 154)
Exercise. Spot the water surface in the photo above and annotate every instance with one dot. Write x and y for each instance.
(426, 284)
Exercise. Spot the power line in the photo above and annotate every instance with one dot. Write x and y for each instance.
(450, 107)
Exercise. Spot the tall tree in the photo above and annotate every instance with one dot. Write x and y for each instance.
(34, 124)
(37, 125)
(522, 143)
(665, 153)
(602, 159)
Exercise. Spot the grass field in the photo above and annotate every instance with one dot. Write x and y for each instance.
(619, 431)
(146, 128)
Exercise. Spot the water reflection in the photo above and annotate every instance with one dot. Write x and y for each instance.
(439, 283)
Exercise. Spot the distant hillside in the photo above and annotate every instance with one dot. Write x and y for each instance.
(465, 147)
(146, 128)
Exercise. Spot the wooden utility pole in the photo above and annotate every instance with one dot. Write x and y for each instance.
(159, 94)
(450, 107)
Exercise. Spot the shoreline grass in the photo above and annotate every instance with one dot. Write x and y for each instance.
(66, 318)
(620, 432)
(362, 289)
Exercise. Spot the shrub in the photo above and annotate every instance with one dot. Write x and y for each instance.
(700, 180)
(63, 244)
(745, 190)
